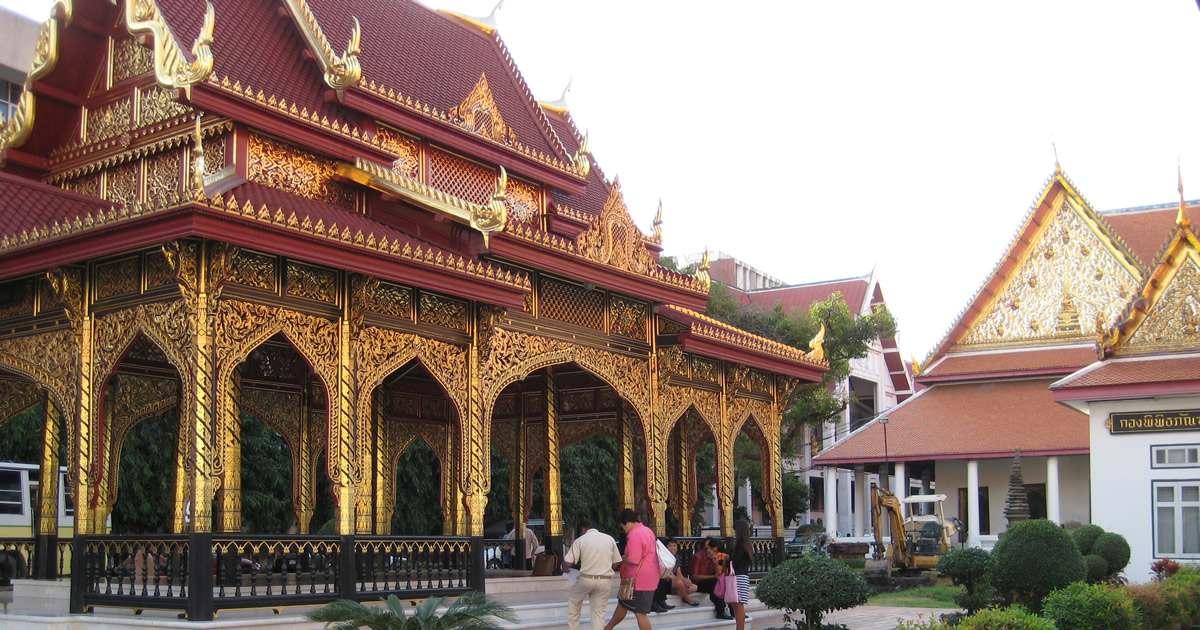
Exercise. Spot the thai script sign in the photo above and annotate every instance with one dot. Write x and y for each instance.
(1187, 420)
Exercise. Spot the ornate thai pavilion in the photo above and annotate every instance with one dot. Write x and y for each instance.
(215, 208)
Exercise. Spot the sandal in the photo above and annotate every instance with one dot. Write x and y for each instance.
(691, 603)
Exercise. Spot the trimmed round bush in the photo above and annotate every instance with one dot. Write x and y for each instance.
(1033, 558)
(1115, 551)
(969, 568)
(814, 584)
(1082, 606)
(1011, 618)
(1086, 536)
(1153, 605)
(1097, 568)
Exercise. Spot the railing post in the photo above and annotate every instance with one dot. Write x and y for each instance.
(200, 577)
(347, 571)
(45, 557)
(477, 564)
(79, 583)
(780, 554)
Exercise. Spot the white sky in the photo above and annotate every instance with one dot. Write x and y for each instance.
(815, 140)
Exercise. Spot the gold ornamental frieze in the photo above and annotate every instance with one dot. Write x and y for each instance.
(156, 105)
(443, 311)
(674, 401)
(1173, 322)
(319, 284)
(627, 317)
(1069, 287)
(118, 278)
(128, 59)
(17, 396)
(108, 121)
(615, 240)
(255, 270)
(380, 352)
(288, 168)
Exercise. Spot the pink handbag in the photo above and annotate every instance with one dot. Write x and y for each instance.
(726, 587)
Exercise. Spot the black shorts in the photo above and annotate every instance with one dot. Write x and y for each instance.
(641, 602)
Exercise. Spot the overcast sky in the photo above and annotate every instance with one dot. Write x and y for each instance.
(817, 140)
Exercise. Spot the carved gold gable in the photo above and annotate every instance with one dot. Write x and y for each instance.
(614, 239)
(1068, 286)
(479, 114)
(1173, 319)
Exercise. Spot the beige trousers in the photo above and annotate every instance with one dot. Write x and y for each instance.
(598, 590)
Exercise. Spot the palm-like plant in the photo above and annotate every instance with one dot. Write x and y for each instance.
(469, 612)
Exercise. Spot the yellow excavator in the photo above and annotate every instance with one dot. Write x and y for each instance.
(917, 540)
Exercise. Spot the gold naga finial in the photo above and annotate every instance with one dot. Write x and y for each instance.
(702, 272)
(45, 56)
(817, 345)
(493, 216)
(1182, 219)
(656, 236)
(198, 162)
(1057, 166)
(581, 160)
(916, 366)
(171, 68)
(342, 71)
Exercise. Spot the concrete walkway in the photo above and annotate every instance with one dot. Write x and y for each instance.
(861, 618)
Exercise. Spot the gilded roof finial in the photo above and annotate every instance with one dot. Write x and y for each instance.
(702, 272)
(560, 104)
(916, 366)
(342, 71)
(581, 160)
(1182, 219)
(171, 68)
(817, 345)
(656, 236)
(198, 162)
(493, 216)
(1057, 166)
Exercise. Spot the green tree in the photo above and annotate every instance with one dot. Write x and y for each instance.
(473, 611)
(146, 480)
(418, 492)
(590, 481)
(266, 479)
(21, 437)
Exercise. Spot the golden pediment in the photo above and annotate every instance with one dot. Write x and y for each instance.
(1068, 285)
(1173, 320)
(614, 239)
(479, 114)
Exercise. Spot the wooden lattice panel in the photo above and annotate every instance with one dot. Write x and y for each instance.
(571, 303)
(460, 177)
(523, 201)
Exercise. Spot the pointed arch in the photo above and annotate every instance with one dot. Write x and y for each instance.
(49, 359)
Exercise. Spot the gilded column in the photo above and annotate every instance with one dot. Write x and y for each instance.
(516, 471)
(773, 482)
(344, 430)
(475, 466)
(70, 290)
(656, 447)
(685, 468)
(103, 505)
(182, 488)
(451, 501)
(553, 478)
(229, 498)
(48, 499)
(385, 494)
(304, 492)
(724, 454)
(625, 421)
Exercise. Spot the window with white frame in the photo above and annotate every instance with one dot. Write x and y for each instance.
(10, 93)
(10, 492)
(1175, 456)
(1177, 518)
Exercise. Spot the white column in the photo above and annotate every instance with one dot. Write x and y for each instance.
(973, 504)
(845, 521)
(862, 502)
(1052, 502)
(831, 500)
(712, 512)
(901, 481)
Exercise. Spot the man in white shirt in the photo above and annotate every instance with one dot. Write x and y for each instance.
(531, 543)
(596, 556)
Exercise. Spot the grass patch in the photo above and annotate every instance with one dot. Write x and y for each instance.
(920, 597)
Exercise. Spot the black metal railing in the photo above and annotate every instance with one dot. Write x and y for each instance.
(500, 553)
(414, 567)
(16, 558)
(202, 573)
(767, 553)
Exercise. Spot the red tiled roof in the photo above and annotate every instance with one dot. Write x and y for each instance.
(801, 296)
(592, 201)
(26, 204)
(969, 420)
(1145, 231)
(1065, 359)
(1152, 369)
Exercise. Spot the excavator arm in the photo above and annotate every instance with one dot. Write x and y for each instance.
(884, 501)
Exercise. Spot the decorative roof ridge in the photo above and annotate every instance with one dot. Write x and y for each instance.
(530, 100)
(564, 245)
(1170, 205)
(171, 66)
(411, 104)
(720, 331)
(423, 252)
(1058, 175)
(115, 213)
(17, 129)
(186, 135)
(340, 72)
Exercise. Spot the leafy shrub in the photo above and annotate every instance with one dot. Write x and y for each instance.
(1033, 558)
(814, 584)
(1096, 567)
(1163, 569)
(920, 623)
(1179, 601)
(1011, 618)
(1115, 551)
(1086, 536)
(1153, 604)
(1187, 580)
(969, 568)
(1082, 606)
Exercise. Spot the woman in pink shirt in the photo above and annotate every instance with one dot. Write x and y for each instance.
(641, 564)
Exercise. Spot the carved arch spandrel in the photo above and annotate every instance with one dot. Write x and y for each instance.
(243, 326)
(138, 398)
(50, 359)
(760, 419)
(675, 400)
(17, 397)
(513, 356)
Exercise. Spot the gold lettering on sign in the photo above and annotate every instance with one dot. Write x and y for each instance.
(290, 169)
(1185, 420)
(313, 283)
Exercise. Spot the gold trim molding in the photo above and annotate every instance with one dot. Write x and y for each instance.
(341, 72)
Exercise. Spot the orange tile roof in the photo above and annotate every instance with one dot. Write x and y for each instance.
(802, 296)
(1147, 229)
(1152, 369)
(968, 421)
(1066, 359)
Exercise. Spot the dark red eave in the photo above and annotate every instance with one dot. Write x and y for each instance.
(197, 221)
(571, 266)
(1127, 390)
(1016, 373)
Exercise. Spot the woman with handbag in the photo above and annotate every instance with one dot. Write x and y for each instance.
(639, 572)
(729, 581)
